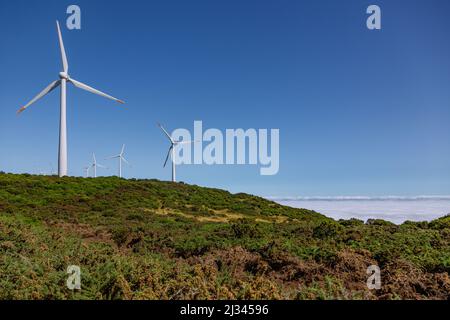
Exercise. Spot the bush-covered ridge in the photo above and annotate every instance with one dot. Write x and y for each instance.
(146, 239)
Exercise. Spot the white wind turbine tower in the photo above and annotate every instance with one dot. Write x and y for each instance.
(121, 158)
(63, 79)
(171, 152)
(95, 165)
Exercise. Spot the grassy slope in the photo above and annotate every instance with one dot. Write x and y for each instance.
(145, 239)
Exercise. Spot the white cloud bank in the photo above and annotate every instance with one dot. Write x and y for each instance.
(394, 209)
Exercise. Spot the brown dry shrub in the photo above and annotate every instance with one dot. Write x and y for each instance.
(401, 279)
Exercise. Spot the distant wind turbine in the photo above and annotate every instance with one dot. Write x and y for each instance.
(50, 173)
(121, 158)
(63, 79)
(53, 172)
(86, 171)
(95, 165)
(171, 152)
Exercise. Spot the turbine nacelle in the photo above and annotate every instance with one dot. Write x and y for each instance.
(64, 75)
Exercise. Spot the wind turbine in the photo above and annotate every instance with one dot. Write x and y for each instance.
(45, 173)
(121, 158)
(95, 165)
(53, 172)
(86, 171)
(63, 79)
(171, 152)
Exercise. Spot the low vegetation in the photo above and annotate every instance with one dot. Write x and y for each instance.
(146, 239)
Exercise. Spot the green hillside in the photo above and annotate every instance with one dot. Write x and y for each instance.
(146, 239)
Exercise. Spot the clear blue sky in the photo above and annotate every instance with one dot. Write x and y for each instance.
(360, 112)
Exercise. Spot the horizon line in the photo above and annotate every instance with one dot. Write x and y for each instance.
(358, 198)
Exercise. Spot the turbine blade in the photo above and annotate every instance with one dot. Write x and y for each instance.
(101, 166)
(167, 134)
(92, 90)
(63, 51)
(167, 158)
(113, 157)
(50, 87)
(123, 149)
(126, 161)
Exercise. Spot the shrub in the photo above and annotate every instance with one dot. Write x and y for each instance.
(192, 247)
(244, 228)
(327, 229)
(441, 223)
(351, 223)
(120, 235)
(379, 222)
